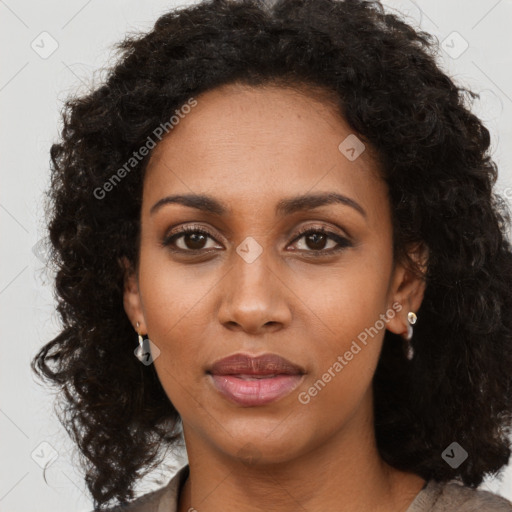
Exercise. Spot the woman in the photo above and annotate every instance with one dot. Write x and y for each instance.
(295, 206)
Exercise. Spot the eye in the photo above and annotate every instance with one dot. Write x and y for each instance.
(193, 237)
(316, 239)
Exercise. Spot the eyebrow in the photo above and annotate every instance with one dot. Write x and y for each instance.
(284, 206)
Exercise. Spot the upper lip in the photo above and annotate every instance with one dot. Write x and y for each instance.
(245, 364)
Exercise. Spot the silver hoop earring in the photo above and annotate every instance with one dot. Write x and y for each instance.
(408, 348)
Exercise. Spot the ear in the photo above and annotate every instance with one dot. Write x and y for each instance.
(407, 289)
(131, 297)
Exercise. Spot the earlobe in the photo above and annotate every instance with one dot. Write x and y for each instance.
(131, 297)
(408, 289)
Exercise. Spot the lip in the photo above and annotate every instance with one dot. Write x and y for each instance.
(263, 364)
(255, 380)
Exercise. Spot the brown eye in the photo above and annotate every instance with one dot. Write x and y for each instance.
(193, 239)
(315, 240)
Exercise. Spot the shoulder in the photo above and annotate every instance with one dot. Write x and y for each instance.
(164, 499)
(454, 496)
(467, 499)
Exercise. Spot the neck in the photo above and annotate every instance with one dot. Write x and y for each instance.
(344, 473)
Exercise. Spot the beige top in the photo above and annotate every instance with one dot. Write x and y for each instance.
(449, 496)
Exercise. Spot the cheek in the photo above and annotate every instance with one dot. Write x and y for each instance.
(349, 298)
(344, 361)
(172, 293)
(174, 301)
(350, 303)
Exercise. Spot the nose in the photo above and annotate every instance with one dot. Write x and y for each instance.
(254, 297)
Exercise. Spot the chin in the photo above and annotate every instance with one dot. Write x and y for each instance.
(264, 442)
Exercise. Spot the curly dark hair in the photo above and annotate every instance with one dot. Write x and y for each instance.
(434, 157)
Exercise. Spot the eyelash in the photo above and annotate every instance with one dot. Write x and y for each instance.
(342, 242)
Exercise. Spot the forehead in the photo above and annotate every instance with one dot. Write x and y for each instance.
(257, 144)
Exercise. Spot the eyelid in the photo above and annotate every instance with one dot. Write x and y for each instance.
(183, 230)
(343, 241)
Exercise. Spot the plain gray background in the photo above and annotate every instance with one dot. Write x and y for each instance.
(475, 44)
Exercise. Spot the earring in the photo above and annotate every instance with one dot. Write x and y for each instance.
(140, 337)
(408, 349)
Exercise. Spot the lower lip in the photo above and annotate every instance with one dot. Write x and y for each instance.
(250, 393)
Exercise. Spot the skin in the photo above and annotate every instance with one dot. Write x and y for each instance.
(249, 148)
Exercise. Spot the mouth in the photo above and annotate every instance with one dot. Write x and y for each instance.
(251, 381)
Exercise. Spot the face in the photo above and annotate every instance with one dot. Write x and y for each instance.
(260, 274)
